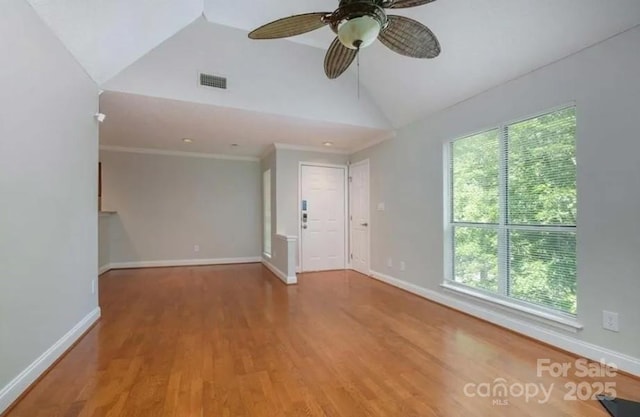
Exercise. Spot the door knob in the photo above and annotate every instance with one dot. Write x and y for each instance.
(364, 224)
(304, 226)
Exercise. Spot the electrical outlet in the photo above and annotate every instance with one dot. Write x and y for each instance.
(196, 248)
(610, 321)
(93, 286)
(403, 266)
(389, 262)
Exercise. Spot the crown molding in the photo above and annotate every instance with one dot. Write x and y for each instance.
(147, 151)
(373, 143)
(267, 151)
(310, 148)
(270, 149)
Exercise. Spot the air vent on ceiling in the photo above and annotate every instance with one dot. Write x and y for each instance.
(214, 81)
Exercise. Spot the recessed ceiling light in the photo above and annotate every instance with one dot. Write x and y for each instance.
(328, 143)
(187, 140)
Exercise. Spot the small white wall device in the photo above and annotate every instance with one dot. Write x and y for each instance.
(100, 117)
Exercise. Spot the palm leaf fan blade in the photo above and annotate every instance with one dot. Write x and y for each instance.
(410, 38)
(403, 4)
(338, 59)
(290, 26)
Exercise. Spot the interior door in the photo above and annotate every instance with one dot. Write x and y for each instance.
(359, 216)
(323, 218)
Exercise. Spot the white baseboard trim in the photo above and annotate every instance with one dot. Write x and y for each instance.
(184, 262)
(277, 272)
(103, 269)
(578, 347)
(12, 391)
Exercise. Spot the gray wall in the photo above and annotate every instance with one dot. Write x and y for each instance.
(407, 174)
(167, 204)
(48, 184)
(104, 241)
(288, 164)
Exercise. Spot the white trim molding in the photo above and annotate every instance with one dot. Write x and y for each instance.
(550, 318)
(164, 152)
(520, 325)
(269, 150)
(311, 148)
(104, 269)
(12, 391)
(289, 280)
(183, 262)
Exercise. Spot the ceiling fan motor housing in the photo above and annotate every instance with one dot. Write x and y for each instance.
(379, 3)
(358, 23)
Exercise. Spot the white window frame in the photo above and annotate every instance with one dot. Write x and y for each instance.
(563, 320)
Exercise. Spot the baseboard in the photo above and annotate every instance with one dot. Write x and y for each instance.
(12, 391)
(103, 269)
(184, 262)
(578, 347)
(277, 272)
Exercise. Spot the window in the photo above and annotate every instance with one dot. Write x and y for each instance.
(266, 212)
(513, 206)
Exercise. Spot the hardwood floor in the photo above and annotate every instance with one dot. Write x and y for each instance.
(234, 341)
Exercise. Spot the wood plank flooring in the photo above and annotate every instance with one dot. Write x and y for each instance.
(233, 341)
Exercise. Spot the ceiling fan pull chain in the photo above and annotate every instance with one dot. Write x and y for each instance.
(358, 62)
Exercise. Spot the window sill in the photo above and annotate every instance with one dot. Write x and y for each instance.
(548, 318)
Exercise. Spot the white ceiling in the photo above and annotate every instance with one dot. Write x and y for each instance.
(156, 48)
(248, 15)
(155, 123)
(485, 43)
(107, 36)
(278, 77)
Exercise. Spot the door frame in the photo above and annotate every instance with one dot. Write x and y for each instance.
(368, 165)
(345, 168)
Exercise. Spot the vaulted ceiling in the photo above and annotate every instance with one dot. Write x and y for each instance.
(106, 36)
(156, 48)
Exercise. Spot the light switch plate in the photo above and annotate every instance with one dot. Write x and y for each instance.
(610, 321)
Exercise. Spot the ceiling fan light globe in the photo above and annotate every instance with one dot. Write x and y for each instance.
(359, 32)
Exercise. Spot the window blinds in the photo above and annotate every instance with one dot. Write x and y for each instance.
(514, 209)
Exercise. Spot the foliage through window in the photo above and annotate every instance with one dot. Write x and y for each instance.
(513, 211)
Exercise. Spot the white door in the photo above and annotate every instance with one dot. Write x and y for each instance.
(322, 218)
(359, 216)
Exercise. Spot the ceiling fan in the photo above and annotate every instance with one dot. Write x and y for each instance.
(358, 23)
